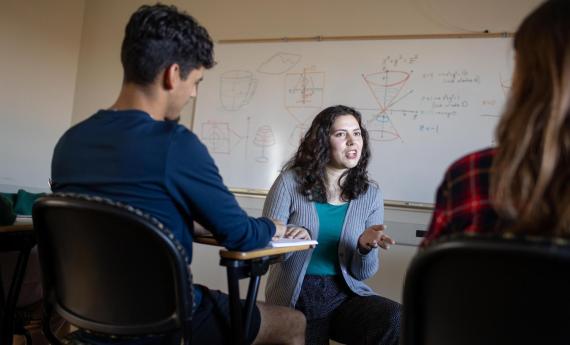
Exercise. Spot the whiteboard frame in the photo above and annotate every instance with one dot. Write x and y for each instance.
(366, 37)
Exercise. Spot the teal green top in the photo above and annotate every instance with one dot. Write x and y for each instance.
(324, 261)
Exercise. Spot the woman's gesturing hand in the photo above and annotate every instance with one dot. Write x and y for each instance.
(374, 237)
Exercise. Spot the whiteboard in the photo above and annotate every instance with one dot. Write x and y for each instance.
(425, 103)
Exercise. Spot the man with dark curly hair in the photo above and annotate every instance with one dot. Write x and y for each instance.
(136, 153)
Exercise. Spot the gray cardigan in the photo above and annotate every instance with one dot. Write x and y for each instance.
(285, 203)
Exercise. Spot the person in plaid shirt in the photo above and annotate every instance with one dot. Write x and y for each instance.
(463, 203)
(523, 185)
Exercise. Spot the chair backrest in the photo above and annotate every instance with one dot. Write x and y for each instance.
(488, 290)
(111, 269)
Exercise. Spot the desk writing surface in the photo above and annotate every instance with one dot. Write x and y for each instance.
(252, 254)
(425, 102)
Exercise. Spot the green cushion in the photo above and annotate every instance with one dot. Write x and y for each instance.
(25, 201)
(7, 214)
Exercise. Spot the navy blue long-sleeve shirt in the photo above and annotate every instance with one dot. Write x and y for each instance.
(159, 167)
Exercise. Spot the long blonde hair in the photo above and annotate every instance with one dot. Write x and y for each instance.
(530, 185)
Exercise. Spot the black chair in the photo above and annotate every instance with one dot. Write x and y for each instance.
(488, 290)
(111, 270)
(20, 242)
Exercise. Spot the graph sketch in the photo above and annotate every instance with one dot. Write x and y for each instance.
(380, 126)
(279, 63)
(264, 138)
(304, 93)
(387, 88)
(236, 89)
(219, 137)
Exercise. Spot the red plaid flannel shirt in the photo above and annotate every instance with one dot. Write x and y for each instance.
(462, 203)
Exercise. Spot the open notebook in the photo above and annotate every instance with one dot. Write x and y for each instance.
(288, 242)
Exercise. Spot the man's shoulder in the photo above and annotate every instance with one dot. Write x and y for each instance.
(185, 150)
(83, 123)
(184, 133)
(78, 130)
(184, 139)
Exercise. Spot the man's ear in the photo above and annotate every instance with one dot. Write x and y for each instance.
(171, 76)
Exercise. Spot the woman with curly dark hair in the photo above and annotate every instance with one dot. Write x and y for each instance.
(324, 193)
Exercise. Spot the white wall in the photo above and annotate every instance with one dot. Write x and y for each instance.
(39, 54)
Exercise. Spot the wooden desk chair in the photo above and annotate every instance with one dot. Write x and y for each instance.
(18, 239)
(488, 290)
(111, 270)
